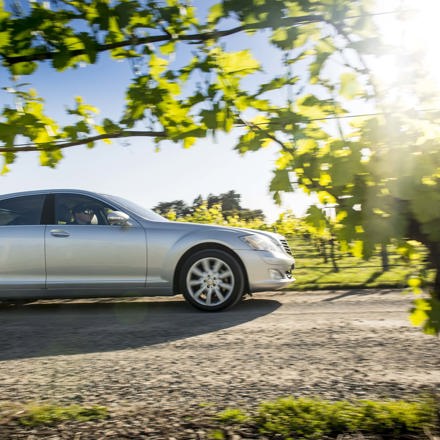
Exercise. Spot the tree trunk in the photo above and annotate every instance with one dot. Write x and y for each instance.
(384, 257)
(332, 255)
(323, 250)
(415, 232)
(434, 259)
(436, 289)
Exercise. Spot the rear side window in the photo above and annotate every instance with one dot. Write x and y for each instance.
(24, 210)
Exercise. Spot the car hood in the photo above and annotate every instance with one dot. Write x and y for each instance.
(238, 230)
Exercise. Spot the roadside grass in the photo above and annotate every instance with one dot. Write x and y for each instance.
(48, 414)
(312, 273)
(313, 419)
(231, 416)
(286, 418)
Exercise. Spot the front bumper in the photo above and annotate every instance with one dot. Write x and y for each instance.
(267, 270)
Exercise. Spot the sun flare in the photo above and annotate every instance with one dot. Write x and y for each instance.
(412, 27)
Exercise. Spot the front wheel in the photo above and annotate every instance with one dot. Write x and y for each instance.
(211, 280)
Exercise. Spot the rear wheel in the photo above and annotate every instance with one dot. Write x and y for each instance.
(211, 280)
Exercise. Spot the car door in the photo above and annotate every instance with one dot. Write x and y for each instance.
(92, 254)
(22, 264)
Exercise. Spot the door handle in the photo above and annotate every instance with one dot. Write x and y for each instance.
(59, 233)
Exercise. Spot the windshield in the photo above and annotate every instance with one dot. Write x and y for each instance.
(139, 210)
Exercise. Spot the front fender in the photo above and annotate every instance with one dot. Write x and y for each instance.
(193, 240)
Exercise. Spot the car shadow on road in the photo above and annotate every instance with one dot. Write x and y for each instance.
(66, 328)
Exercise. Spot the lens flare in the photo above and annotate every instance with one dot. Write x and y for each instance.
(413, 31)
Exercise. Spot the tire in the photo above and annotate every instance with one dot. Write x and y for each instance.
(211, 280)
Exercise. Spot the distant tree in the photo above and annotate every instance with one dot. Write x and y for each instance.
(198, 201)
(179, 207)
(228, 202)
(213, 200)
(231, 201)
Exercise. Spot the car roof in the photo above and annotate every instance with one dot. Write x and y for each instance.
(50, 191)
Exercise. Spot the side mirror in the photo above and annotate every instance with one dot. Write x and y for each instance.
(118, 218)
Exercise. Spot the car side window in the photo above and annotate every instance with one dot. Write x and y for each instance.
(24, 210)
(73, 209)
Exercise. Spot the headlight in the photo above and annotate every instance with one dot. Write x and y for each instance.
(260, 243)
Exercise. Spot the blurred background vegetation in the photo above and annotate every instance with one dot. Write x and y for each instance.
(322, 261)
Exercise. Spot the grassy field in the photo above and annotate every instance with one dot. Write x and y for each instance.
(312, 273)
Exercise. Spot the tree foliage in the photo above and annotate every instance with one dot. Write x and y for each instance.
(382, 170)
(178, 207)
(229, 204)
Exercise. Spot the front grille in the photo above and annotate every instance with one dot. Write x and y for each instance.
(286, 247)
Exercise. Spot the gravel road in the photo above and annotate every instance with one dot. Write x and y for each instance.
(162, 367)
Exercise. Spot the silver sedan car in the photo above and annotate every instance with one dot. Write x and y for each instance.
(74, 243)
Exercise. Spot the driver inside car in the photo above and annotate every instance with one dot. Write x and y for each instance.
(82, 215)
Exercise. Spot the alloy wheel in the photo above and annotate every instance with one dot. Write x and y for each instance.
(210, 281)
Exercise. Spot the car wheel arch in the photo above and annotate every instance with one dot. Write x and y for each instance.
(206, 246)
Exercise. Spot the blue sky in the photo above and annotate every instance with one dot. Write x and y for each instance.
(131, 168)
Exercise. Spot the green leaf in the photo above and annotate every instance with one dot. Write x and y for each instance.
(314, 108)
(90, 46)
(82, 127)
(122, 54)
(157, 65)
(277, 197)
(4, 39)
(285, 38)
(61, 59)
(4, 15)
(316, 218)
(102, 14)
(25, 68)
(357, 248)
(276, 84)
(432, 326)
(279, 34)
(5, 170)
(350, 87)
(189, 142)
(215, 13)
(124, 12)
(316, 67)
(110, 126)
(209, 118)
(168, 48)
(50, 158)
(280, 181)
(240, 63)
(419, 313)
(414, 282)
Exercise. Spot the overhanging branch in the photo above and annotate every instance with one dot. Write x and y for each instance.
(194, 38)
(67, 144)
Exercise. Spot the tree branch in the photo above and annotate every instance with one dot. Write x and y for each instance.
(67, 144)
(195, 38)
(257, 127)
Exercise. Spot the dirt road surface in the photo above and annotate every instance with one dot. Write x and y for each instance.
(158, 365)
